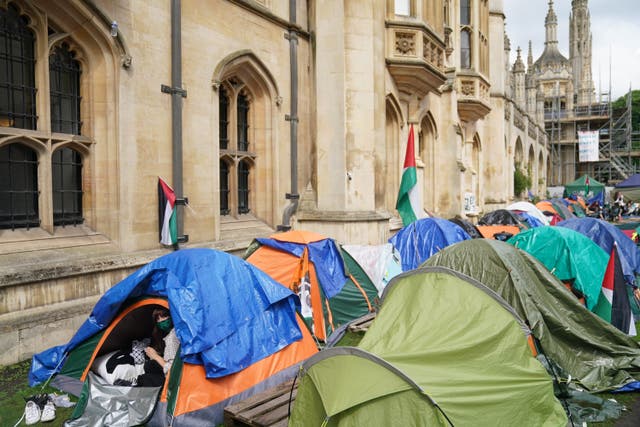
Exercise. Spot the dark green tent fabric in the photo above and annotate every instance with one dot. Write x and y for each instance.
(443, 349)
(588, 348)
(571, 256)
(585, 186)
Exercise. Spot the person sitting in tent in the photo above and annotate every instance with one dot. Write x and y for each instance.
(148, 361)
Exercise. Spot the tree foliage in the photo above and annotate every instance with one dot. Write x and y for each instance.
(621, 103)
(521, 181)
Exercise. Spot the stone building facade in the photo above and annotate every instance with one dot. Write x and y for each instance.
(265, 114)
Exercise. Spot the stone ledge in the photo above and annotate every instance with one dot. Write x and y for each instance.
(341, 216)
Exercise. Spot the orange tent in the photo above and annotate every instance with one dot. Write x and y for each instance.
(490, 231)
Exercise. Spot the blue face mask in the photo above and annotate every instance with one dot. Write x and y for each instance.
(164, 325)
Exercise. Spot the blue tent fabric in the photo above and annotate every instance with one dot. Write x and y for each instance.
(596, 198)
(227, 313)
(324, 254)
(604, 235)
(531, 220)
(632, 181)
(419, 240)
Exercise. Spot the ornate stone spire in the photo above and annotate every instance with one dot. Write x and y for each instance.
(518, 66)
(551, 25)
(529, 57)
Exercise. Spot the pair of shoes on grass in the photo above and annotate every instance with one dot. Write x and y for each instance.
(39, 408)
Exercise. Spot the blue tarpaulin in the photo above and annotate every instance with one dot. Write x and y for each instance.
(604, 235)
(227, 313)
(422, 238)
(324, 254)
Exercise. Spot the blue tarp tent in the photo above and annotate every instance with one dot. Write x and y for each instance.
(227, 313)
(422, 238)
(604, 234)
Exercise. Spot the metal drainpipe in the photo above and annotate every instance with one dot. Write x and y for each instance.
(293, 197)
(176, 110)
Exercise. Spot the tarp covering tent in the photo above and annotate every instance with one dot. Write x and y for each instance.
(503, 217)
(584, 186)
(630, 188)
(419, 240)
(604, 234)
(238, 329)
(570, 256)
(467, 226)
(529, 208)
(588, 348)
(443, 350)
(333, 288)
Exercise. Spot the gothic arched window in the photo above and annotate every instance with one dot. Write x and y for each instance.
(18, 187)
(17, 71)
(465, 12)
(224, 117)
(64, 78)
(465, 48)
(66, 170)
(235, 159)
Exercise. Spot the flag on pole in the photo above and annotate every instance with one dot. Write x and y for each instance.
(409, 201)
(613, 304)
(167, 214)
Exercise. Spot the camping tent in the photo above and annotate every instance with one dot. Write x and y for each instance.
(569, 334)
(333, 288)
(584, 186)
(529, 208)
(630, 188)
(570, 256)
(604, 234)
(419, 240)
(467, 226)
(503, 217)
(443, 350)
(380, 262)
(238, 330)
(549, 210)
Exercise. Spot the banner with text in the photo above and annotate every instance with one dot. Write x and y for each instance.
(588, 142)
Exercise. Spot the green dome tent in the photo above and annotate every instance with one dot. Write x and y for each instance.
(573, 337)
(585, 186)
(443, 350)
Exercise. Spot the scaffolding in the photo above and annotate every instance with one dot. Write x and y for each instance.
(619, 144)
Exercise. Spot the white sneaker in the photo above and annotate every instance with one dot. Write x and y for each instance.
(48, 412)
(31, 413)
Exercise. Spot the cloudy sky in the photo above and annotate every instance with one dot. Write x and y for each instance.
(615, 29)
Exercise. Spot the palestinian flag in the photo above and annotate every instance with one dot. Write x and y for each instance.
(167, 214)
(409, 204)
(613, 305)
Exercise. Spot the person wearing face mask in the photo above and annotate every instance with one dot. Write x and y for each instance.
(162, 351)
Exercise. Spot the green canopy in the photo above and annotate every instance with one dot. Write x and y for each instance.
(569, 255)
(588, 348)
(585, 186)
(444, 349)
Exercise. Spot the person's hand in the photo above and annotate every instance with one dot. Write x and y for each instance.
(153, 355)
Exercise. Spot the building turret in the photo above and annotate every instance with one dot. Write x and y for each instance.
(519, 80)
(580, 51)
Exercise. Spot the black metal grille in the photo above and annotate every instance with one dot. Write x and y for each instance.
(64, 72)
(224, 118)
(66, 167)
(224, 188)
(18, 187)
(17, 71)
(243, 187)
(243, 123)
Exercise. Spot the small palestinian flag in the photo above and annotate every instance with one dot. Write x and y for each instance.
(167, 214)
(613, 305)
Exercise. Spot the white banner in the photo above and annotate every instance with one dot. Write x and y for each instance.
(588, 142)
